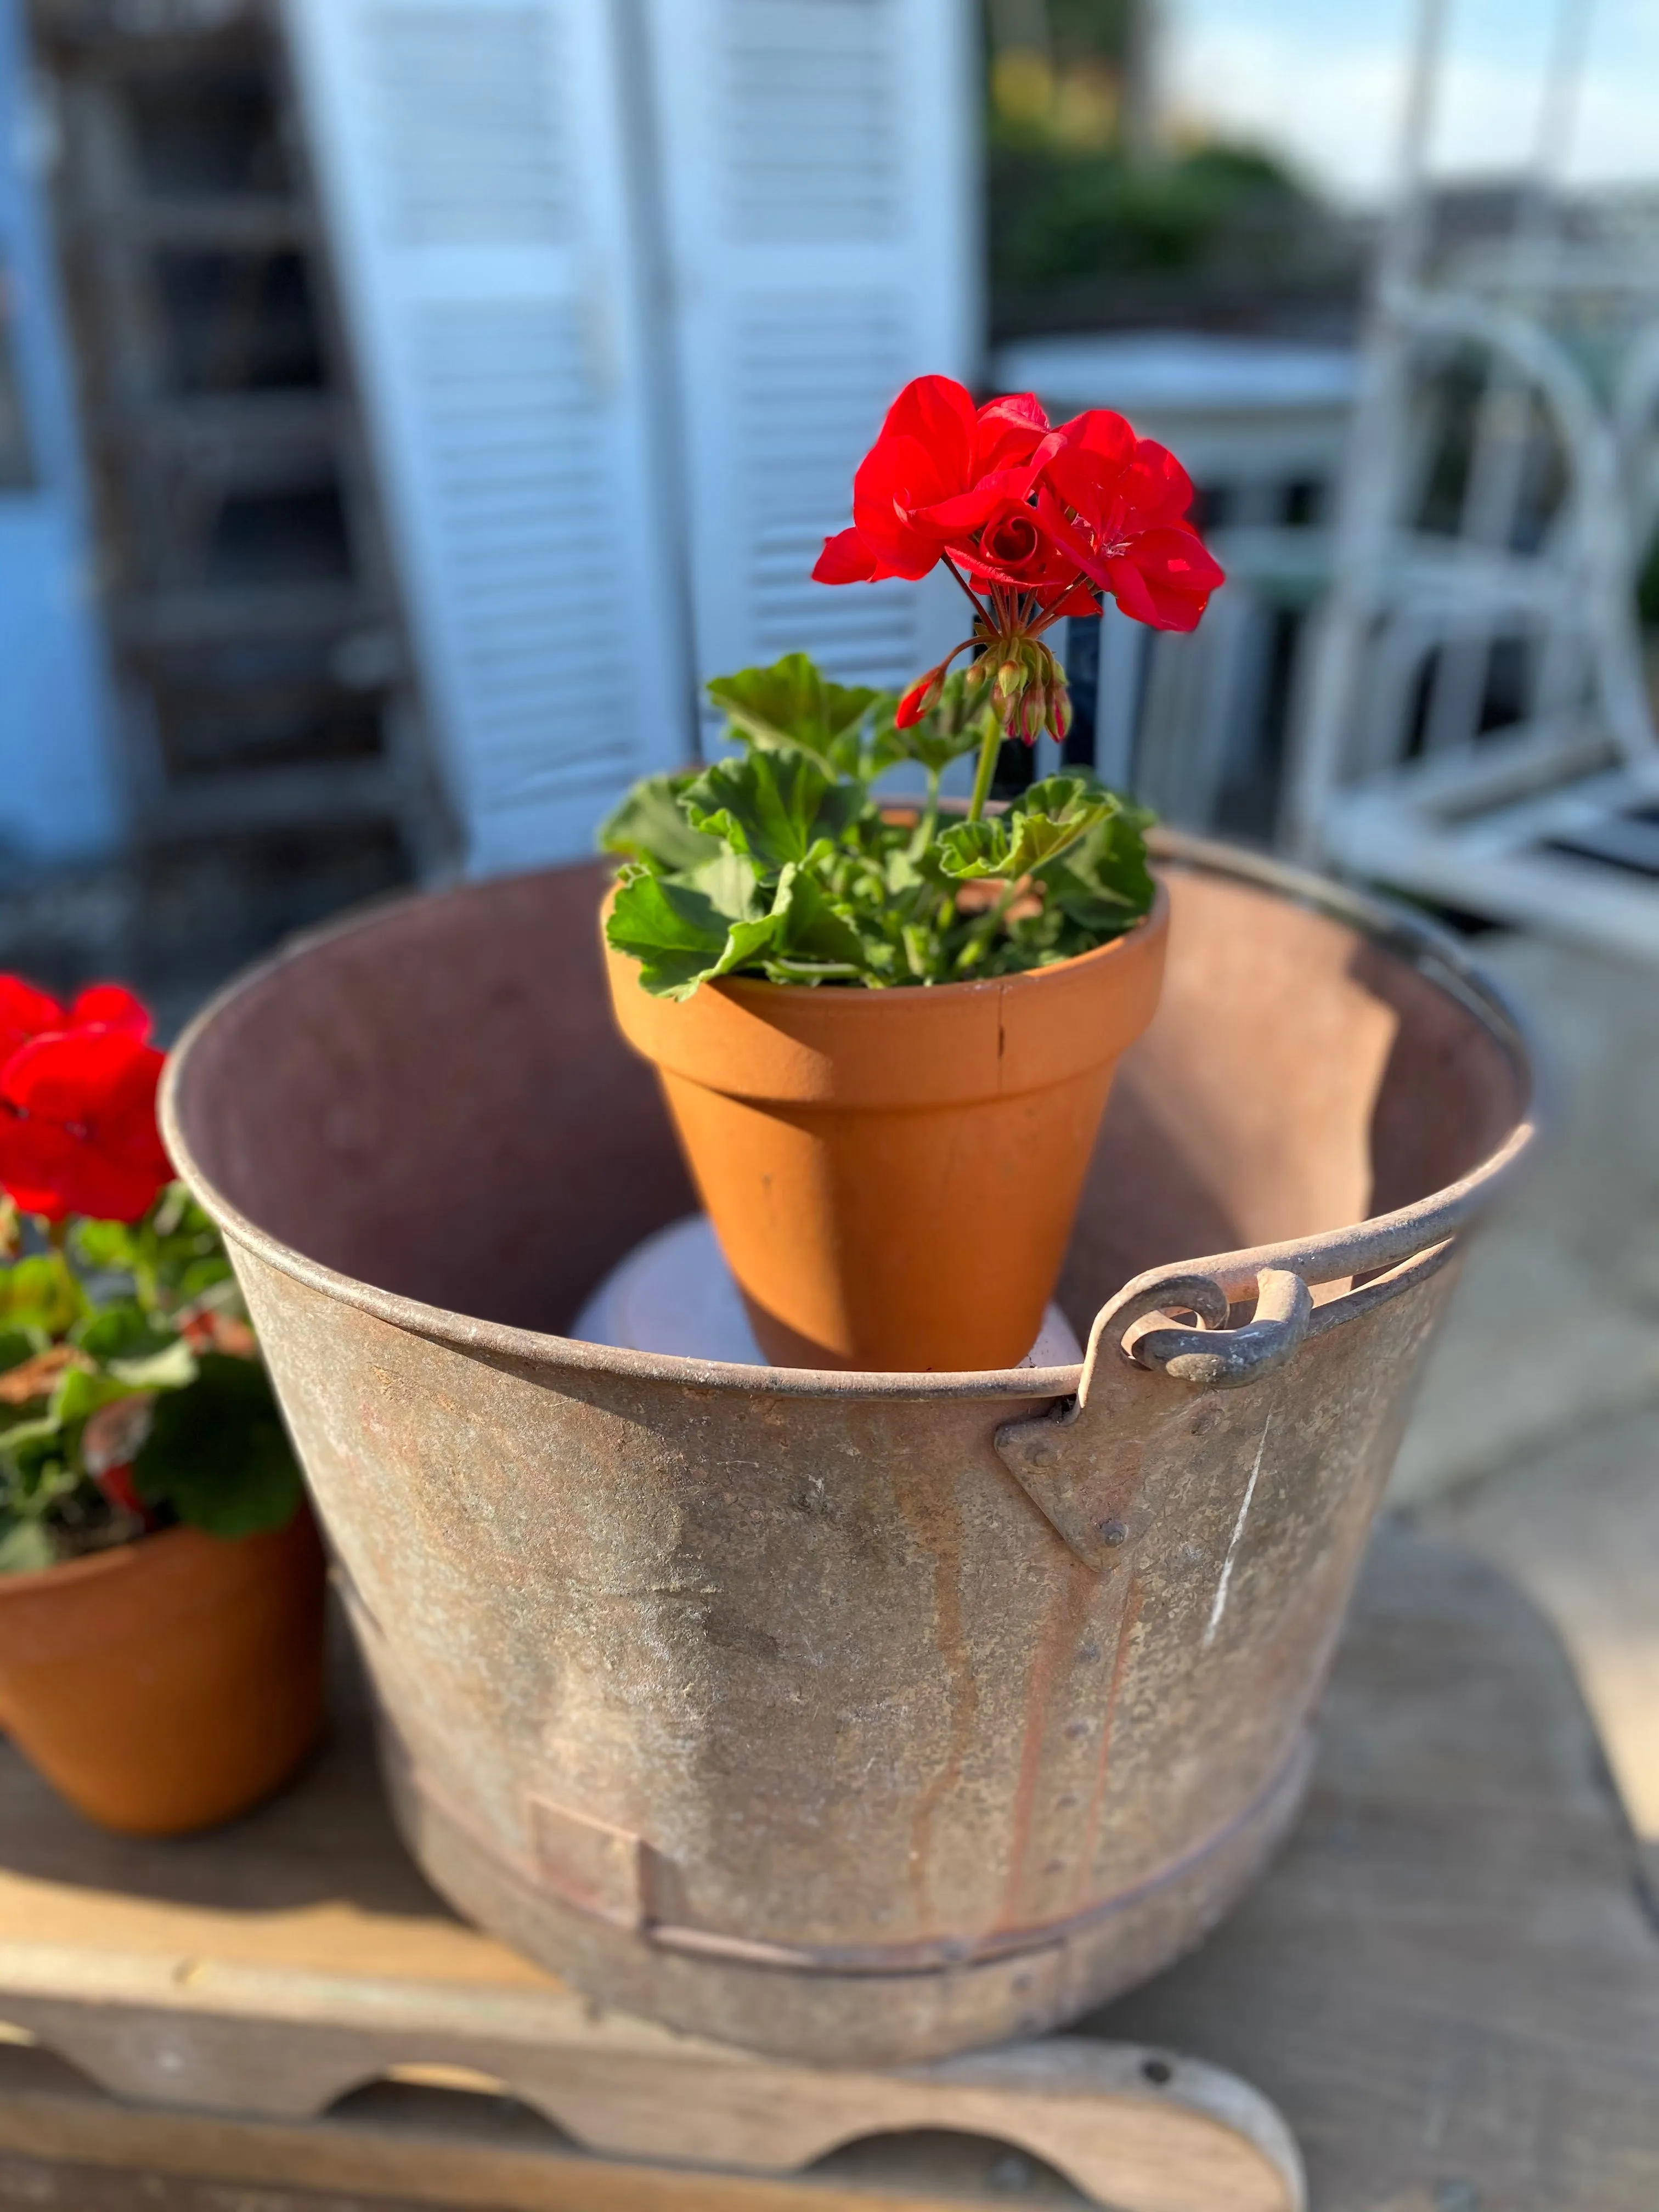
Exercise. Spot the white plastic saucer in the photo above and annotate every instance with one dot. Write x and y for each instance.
(675, 1293)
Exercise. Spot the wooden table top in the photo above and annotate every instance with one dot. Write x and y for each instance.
(1449, 1985)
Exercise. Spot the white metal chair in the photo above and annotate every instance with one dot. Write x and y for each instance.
(1552, 819)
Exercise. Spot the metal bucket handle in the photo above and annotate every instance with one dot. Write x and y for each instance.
(1278, 1280)
(1059, 1459)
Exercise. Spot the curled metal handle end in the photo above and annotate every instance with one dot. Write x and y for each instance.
(1222, 1359)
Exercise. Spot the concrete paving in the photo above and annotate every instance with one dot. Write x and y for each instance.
(1536, 1438)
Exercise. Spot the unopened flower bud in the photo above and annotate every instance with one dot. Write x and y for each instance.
(923, 695)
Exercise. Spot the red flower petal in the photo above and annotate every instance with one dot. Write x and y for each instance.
(25, 1012)
(1016, 548)
(54, 1174)
(35, 1160)
(1076, 539)
(897, 480)
(1155, 488)
(847, 558)
(109, 1006)
(1129, 588)
(1100, 433)
(940, 414)
(1166, 578)
(83, 1132)
(1010, 430)
(969, 510)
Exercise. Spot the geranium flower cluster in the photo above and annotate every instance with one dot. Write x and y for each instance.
(77, 1103)
(1034, 521)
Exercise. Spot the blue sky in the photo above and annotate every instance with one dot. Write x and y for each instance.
(1323, 80)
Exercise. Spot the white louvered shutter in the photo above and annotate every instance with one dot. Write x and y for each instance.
(819, 178)
(472, 162)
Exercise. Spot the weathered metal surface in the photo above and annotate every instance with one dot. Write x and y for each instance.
(858, 1717)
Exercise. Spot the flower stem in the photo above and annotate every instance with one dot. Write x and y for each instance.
(984, 930)
(990, 745)
(930, 813)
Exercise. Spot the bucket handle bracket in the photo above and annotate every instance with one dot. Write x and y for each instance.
(1064, 1460)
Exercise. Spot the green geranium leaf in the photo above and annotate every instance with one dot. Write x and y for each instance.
(172, 1254)
(197, 1276)
(170, 1369)
(103, 1244)
(25, 1548)
(650, 826)
(121, 1331)
(79, 1395)
(37, 1457)
(791, 703)
(679, 936)
(777, 862)
(968, 850)
(40, 1292)
(217, 1452)
(731, 883)
(1102, 884)
(1043, 823)
(18, 1345)
(811, 932)
(774, 807)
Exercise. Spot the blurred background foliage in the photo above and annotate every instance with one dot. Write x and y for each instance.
(1101, 217)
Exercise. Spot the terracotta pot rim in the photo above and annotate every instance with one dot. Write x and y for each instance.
(892, 1053)
(112, 1559)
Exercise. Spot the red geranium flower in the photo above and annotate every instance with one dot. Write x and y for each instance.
(1013, 549)
(26, 1012)
(1033, 522)
(941, 468)
(1117, 504)
(77, 1103)
(77, 1131)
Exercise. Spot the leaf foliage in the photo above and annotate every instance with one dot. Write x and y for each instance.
(133, 1313)
(780, 861)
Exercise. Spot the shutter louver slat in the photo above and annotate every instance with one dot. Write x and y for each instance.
(466, 160)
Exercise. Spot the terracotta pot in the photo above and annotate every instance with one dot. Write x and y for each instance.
(893, 1174)
(168, 1684)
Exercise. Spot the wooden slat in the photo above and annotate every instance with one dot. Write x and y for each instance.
(406, 2148)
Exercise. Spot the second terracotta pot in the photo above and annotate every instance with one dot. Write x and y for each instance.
(167, 1685)
(893, 1174)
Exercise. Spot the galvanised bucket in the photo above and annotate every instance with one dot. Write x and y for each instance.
(858, 1717)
